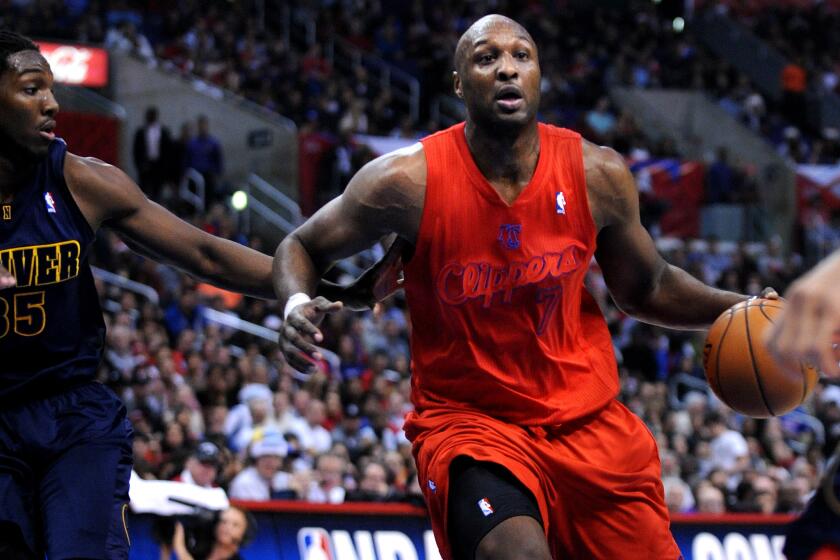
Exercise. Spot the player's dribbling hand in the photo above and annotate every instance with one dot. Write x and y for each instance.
(6, 278)
(806, 331)
(300, 332)
(769, 293)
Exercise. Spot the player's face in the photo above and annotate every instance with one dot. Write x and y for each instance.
(231, 527)
(499, 79)
(27, 104)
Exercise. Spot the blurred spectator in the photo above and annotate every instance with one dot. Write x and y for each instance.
(313, 147)
(202, 467)
(601, 121)
(264, 480)
(204, 154)
(373, 485)
(678, 496)
(328, 483)
(152, 154)
(125, 37)
(178, 161)
(720, 180)
(710, 499)
(358, 438)
(314, 438)
(729, 450)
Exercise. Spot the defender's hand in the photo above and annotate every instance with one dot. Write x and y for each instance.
(377, 282)
(300, 332)
(807, 330)
(6, 278)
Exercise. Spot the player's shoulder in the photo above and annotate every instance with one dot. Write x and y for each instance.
(609, 184)
(402, 170)
(603, 161)
(86, 172)
(606, 170)
(102, 191)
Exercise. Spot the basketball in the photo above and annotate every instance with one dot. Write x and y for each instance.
(739, 368)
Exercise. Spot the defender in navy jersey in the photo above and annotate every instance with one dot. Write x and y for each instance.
(65, 453)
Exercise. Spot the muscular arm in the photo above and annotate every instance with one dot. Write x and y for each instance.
(385, 196)
(107, 196)
(640, 281)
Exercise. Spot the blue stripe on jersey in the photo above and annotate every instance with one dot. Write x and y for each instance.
(51, 327)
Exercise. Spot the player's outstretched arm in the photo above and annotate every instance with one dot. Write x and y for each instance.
(385, 196)
(107, 196)
(640, 281)
(808, 327)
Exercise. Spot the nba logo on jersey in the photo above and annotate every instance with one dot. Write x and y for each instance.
(560, 203)
(48, 198)
(485, 507)
(314, 544)
(7, 212)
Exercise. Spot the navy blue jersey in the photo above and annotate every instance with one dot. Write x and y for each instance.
(51, 327)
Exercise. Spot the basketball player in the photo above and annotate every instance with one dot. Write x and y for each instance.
(65, 449)
(523, 450)
(805, 332)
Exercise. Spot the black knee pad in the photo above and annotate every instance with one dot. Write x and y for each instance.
(482, 495)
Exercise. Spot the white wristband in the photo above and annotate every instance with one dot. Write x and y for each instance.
(293, 301)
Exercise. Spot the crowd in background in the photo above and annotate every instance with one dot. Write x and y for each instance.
(213, 406)
(279, 56)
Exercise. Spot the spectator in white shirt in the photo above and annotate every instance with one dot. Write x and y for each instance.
(314, 438)
(202, 468)
(729, 449)
(263, 480)
(328, 485)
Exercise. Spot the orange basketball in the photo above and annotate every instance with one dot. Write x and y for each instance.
(739, 368)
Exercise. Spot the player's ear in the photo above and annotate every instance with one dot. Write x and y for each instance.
(456, 80)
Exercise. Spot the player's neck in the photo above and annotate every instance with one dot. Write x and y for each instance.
(506, 157)
(13, 176)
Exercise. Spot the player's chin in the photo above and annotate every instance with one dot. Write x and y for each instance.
(38, 148)
(509, 122)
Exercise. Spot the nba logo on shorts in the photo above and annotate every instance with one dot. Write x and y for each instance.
(485, 507)
(560, 203)
(314, 544)
(48, 198)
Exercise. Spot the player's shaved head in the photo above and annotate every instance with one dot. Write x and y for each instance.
(483, 25)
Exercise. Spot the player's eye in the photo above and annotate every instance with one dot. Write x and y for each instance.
(522, 55)
(30, 90)
(486, 58)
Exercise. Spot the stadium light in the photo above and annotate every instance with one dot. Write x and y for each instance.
(239, 201)
(679, 24)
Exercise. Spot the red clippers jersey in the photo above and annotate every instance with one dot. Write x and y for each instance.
(501, 322)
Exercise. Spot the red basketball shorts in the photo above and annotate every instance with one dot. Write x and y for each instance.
(596, 480)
